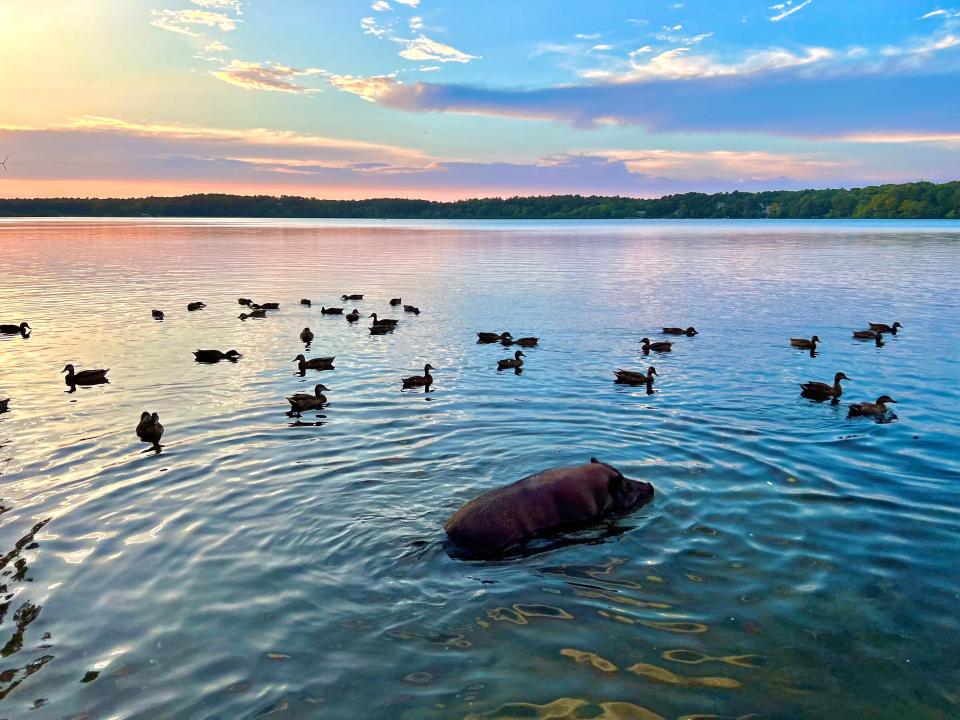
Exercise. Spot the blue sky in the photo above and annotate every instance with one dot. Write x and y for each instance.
(432, 98)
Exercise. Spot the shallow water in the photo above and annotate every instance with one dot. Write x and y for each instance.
(794, 563)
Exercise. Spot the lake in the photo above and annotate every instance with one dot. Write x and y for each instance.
(794, 563)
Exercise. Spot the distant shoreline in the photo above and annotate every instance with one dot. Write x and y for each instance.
(910, 201)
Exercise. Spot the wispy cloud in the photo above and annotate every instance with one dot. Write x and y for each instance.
(266, 76)
(114, 156)
(422, 48)
(235, 5)
(185, 21)
(410, 3)
(368, 88)
(416, 23)
(946, 14)
(381, 6)
(786, 9)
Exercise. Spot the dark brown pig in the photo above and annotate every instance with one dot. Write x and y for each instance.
(543, 504)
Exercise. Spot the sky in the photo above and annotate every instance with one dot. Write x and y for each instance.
(445, 100)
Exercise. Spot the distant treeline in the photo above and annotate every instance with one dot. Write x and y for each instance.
(909, 200)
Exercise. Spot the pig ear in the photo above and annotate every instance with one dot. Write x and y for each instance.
(615, 485)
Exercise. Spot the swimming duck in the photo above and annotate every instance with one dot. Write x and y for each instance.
(513, 362)
(306, 335)
(489, 337)
(353, 316)
(662, 346)
(527, 342)
(425, 380)
(631, 377)
(302, 401)
(305, 301)
(21, 329)
(395, 301)
(411, 309)
(196, 306)
(383, 321)
(331, 311)
(212, 356)
(320, 363)
(84, 377)
(877, 337)
(875, 408)
(351, 297)
(689, 332)
(804, 344)
(4, 405)
(245, 301)
(880, 327)
(157, 314)
(149, 428)
(381, 329)
(253, 314)
(822, 391)
(265, 306)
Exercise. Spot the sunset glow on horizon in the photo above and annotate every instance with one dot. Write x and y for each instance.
(442, 100)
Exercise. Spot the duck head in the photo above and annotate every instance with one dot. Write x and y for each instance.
(428, 367)
(815, 339)
(884, 399)
(518, 354)
(299, 358)
(318, 390)
(651, 371)
(691, 331)
(839, 376)
(25, 327)
(67, 368)
(232, 354)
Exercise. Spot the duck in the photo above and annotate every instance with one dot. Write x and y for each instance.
(513, 362)
(867, 408)
(84, 377)
(157, 314)
(253, 314)
(149, 428)
(265, 306)
(822, 391)
(527, 342)
(881, 327)
(425, 380)
(245, 301)
(352, 297)
(395, 301)
(21, 329)
(331, 311)
(411, 309)
(320, 363)
(805, 344)
(305, 301)
(302, 401)
(353, 316)
(632, 377)
(877, 337)
(489, 337)
(4, 405)
(662, 346)
(306, 335)
(383, 321)
(689, 332)
(212, 356)
(196, 306)
(381, 329)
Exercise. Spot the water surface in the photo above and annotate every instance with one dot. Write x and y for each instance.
(794, 564)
